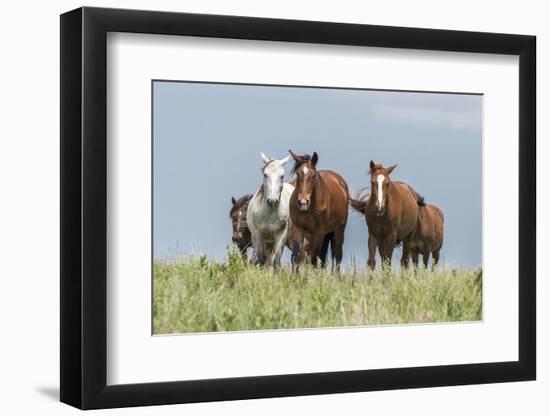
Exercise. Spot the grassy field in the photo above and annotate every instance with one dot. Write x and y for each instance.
(199, 295)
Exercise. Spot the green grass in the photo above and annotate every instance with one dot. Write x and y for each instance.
(199, 295)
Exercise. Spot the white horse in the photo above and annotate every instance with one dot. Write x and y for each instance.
(268, 213)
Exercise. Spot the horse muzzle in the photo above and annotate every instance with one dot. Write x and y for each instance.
(380, 211)
(303, 204)
(273, 202)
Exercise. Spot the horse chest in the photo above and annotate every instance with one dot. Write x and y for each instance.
(273, 227)
(271, 223)
(380, 228)
(417, 245)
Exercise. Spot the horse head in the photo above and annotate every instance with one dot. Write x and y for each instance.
(237, 214)
(380, 182)
(273, 180)
(305, 168)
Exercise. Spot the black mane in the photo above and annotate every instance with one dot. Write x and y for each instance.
(298, 163)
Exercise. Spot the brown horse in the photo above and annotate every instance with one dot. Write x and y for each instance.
(428, 237)
(241, 233)
(391, 214)
(318, 211)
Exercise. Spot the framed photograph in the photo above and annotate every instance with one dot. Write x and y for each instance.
(258, 208)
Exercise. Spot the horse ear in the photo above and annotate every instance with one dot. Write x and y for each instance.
(285, 160)
(371, 165)
(390, 169)
(294, 156)
(314, 159)
(233, 200)
(264, 158)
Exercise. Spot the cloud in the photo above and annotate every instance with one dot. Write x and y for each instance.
(441, 115)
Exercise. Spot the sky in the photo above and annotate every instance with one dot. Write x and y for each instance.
(207, 140)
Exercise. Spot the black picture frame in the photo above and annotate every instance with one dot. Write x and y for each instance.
(84, 207)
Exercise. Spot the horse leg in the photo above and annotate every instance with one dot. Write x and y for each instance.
(295, 257)
(324, 249)
(336, 246)
(278, 251)
(294, 243)
(242, 248)
(373, 243)
(301, 251)
(414, 257)
(426, 258)
(258, 255)
(406, 253)
(269, 254)
(263, 253)
(435, 258)
(315, 243)
(386, 250)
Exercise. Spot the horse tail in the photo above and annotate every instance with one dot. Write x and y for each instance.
(359, 202)
(358, 205)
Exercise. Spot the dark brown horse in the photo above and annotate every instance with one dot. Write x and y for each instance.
(391, 214)
(318, 211)
(241, 233)
(428, 237)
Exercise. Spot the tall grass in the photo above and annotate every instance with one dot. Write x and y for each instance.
(199, 295)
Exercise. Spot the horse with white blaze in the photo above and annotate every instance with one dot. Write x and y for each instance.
(268, 213)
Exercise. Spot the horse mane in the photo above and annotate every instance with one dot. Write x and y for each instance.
(303, 159)
(419, 199)
(377, 165)
(241, 202)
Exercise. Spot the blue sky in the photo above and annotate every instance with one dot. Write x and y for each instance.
(207, 141)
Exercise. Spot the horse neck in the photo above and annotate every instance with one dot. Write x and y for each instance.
(319, 193)
(263, 198)
(393, 196)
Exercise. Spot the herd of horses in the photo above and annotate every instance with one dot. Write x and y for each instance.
(309, 214)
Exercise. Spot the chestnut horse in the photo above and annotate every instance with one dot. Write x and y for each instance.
(241, 233)
(391, 214)
(318, 211)
(428, 237)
